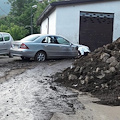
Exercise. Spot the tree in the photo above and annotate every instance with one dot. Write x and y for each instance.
(16, 31)
(19, 19)
(17, 6)
(41, 7)
(3, 28)
(21, 11)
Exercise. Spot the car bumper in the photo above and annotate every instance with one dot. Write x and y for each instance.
(22, 52)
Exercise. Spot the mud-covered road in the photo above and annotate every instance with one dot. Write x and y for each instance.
(10, 67)
(28, 93)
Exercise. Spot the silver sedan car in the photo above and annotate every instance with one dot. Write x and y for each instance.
(42, 47)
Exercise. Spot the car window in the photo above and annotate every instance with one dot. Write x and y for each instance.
(6, 37)
(61, 40)
(1, 38)
(30, 38)
(50, 39)
(46, 40)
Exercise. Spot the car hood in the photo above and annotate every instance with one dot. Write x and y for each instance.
(82, 46)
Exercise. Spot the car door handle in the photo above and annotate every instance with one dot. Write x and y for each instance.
(45, 45)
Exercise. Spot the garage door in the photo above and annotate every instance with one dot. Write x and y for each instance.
(96, 29)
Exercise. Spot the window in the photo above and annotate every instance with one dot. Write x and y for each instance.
(1, 38)
(30, 38)
(50, 39)
(46, 40)
(61, 40)
(6, 37)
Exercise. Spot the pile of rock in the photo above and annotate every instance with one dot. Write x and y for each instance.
(97, 73)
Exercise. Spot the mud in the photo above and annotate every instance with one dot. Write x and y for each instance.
(92, 110)
(98, 73)
(28, 93)
(14, 66)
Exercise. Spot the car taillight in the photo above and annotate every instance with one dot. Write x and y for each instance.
(23, 46)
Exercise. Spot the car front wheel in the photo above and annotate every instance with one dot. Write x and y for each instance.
(40, 56)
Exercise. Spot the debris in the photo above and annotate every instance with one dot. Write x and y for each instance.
(97, 73)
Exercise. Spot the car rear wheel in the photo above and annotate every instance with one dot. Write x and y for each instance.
(40, 56)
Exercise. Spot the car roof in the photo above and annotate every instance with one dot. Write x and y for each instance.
(46, 35)
(4, 33)
(41, 36)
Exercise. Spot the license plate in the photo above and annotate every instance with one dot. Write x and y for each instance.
(15, 46)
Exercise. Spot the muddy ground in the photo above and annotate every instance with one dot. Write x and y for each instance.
(10, 67)
(27, 92)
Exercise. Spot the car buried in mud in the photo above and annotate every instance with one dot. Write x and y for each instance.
(42, 47)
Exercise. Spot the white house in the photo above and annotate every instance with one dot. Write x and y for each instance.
(89, 22)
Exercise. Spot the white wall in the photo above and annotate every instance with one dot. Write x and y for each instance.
(52, 23)
(48, 26)
(44, 26)
(67, 23)
(68, 18)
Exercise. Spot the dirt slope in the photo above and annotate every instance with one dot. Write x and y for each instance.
(97, 73)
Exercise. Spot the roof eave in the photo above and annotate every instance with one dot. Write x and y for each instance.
(44, 14)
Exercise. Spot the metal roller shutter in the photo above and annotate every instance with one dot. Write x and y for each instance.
(96, 29)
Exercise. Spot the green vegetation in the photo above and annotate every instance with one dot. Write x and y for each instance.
(18, 21)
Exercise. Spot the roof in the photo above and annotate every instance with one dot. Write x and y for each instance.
(4, 33)
(53, 5)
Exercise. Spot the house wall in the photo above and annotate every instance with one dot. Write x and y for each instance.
(67, 23)
(44, 26)
(65, 20)
(48, 26)
(68, 18)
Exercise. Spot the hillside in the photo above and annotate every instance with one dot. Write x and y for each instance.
(4, 7)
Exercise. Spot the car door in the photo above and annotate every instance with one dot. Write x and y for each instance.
(51, 47)
(7, 41)
(2, 45)
(66, 48)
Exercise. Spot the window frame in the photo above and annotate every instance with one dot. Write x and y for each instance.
(63, 43)
(2, 40)
(4, 37)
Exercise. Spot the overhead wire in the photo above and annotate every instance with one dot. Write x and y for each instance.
(3, 10)
(21, 24)
(11, 17)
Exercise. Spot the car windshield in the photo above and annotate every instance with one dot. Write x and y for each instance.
(30, 38)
